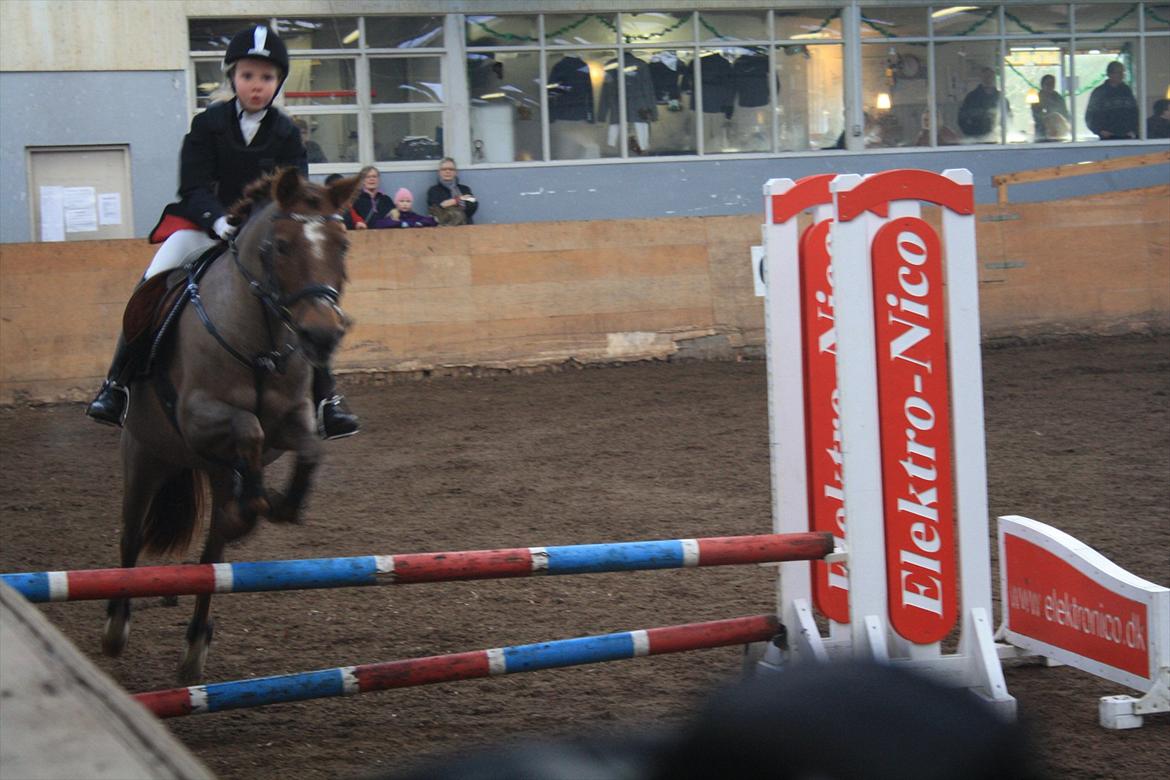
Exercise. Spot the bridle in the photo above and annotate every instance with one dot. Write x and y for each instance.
(272, 299)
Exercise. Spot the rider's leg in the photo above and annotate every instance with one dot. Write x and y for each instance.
(109, 407)
(334, 420)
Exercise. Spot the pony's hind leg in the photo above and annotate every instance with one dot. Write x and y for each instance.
(140, 483)
(117, 630)
(227, 525)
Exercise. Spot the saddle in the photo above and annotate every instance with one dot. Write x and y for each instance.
(156, 304)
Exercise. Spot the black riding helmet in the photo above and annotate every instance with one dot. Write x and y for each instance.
(259, 42)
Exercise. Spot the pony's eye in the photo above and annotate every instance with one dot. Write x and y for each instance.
(282, 246)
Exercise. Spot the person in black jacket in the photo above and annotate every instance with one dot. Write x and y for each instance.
(229, 145)
(371, 204)
(1113, 110)
(450, 202)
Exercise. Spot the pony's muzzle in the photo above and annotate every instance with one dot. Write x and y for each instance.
(322, 329)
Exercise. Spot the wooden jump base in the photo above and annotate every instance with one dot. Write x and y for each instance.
(417, 567)
(346, 680)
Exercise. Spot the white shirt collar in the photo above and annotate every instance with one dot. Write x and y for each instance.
(249, 121)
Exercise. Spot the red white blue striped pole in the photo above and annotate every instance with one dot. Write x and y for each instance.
(346, 680)
(416, 567)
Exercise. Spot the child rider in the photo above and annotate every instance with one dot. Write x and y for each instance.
(230, 145)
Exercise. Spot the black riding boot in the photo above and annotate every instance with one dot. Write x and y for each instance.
(334, 419)
(109, 408)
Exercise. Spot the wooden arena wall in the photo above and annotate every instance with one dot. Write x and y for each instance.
(521, 295)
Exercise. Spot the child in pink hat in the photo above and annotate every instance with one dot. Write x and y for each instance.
(401, 215)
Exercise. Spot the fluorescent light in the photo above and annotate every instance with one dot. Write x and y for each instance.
(353, 36)
(943, 13)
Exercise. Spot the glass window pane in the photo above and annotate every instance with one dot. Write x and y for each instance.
(329, 137)
(323, 33)
(736, 100)
(507, 30)
(963, 20)
(580, 29)
(1106, 102)
(656, 121)
(401, 137)
(1158, 18)
(733, 26)
(505, 106)
(1158, 87)
(1035, 19)
(335, 136)
(405, 80)
(403, 32)
(575, 81)
(1093, 18)
(208, 82)
(320, 82)
(894, 94)
(1035, 84)
(812, 104)
(808, 25)
(212, 34)
(658, 27)
(881, 22)
(970, 104)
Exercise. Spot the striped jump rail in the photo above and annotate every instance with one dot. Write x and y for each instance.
(256, 576)
(347, 680)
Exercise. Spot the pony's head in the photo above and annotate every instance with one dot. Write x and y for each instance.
(301, 244)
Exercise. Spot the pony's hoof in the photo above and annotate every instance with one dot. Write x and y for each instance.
(115, 636)
(191, 667)
(283, 511)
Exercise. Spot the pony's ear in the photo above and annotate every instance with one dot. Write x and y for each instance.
(285, 188)
(342, 192)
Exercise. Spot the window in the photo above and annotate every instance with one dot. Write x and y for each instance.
(559, 87)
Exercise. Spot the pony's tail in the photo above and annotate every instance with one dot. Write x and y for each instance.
(175, 513)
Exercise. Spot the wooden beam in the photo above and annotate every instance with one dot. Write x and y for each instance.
(1002, 181)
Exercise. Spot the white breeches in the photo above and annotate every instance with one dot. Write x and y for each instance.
(175, 250)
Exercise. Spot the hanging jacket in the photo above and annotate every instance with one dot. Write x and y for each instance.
(750, 74)
(570, 91)
(640, 102)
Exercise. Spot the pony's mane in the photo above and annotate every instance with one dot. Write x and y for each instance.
(255, 196)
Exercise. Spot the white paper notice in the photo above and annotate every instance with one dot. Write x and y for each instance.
(110, 208)
(80, 210)
(52, 213)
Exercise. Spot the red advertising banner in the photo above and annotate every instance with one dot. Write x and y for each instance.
(1048, 599)
(826, 496)
(915, 429)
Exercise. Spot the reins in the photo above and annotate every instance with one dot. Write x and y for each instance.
(272, 301)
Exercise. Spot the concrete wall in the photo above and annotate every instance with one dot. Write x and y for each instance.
(147, 111)
(546, 293)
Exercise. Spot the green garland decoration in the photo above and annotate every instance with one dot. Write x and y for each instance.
(877, 27)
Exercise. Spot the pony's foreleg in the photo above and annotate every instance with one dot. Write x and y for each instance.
(286, 508)
(249, 440)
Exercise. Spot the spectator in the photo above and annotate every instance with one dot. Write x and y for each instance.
(1113, 112)
(1049, 102)
(1158, 125)
(979, 112)
(371, 205)
(401, 215)
(312, 148)
(450, 202)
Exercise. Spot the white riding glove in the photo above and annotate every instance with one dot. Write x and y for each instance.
(223, 229)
